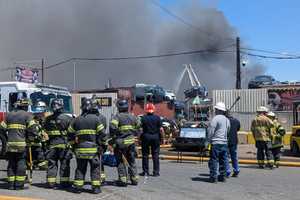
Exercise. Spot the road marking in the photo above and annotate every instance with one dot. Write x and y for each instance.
(15, 198)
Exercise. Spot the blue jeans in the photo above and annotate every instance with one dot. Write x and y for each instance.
(217, 162)
(232, 150)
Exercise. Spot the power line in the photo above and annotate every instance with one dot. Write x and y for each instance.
(182, 20)
(272, 57)
(270, 52)
(143, 57)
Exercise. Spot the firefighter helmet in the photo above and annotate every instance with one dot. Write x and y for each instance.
(271, 114)
(22, 103)
(86, 105)
(39, 107)
(262, 109)
(150, 108)
(95, 106)
(122, 105)
(57, 105)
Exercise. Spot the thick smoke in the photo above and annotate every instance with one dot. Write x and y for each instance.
(58, 30)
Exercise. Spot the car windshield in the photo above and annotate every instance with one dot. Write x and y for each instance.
(193, 132)
(263, 78)
(191, 125)
(48, 97)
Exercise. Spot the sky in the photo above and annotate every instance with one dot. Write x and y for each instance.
(263, 24)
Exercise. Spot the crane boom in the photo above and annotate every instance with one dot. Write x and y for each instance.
(196, 80)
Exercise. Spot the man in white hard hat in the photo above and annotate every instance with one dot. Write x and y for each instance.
(217, 137)
(261, 128)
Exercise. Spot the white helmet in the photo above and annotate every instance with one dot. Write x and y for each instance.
(220, 106)
(41, 104)
(271, 114)
(263, 109)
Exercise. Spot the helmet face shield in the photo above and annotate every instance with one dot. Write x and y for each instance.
(39, 107)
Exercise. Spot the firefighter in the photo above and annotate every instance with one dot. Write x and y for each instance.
(38, 154)
(261, 128)
(88, 130)
(58, 148)
(21, 129)
(151, 136)
(123, 128)
(277, 139)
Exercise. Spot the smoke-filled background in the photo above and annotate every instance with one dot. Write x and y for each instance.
(58, 30)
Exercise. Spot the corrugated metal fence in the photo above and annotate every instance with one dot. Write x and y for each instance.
(285, 118)
(245, 109)
(249, 102)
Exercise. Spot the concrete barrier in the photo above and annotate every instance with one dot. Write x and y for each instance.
(247, 138)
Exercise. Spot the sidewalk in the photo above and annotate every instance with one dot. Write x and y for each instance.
(245, 152)
(248, 151)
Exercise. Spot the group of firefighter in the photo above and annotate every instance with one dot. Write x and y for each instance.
(46, 142)
(268, 134)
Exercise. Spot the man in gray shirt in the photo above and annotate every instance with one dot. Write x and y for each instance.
(217, 137)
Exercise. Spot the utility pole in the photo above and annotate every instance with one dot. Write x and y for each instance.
(238, 64)
(43, 72)
(74, 76)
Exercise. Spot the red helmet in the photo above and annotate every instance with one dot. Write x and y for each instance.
(150, 108)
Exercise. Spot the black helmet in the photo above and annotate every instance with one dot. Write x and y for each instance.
(22, 104)
(86, 105)
(95, 106)
(122, 105)
(57, 105)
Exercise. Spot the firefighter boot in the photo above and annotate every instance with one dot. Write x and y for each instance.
(11, 185)
(96, 190)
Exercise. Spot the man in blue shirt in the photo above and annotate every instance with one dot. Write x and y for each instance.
(232, 146)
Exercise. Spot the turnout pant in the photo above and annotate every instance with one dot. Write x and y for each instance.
(126, 157)
(81, 171)
(264, 150)
(218, 156)
(276, 154)
(154, 144)
(16, 169)
(54, 156)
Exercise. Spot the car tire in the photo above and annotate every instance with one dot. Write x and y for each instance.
(3, 143)
(294, 148)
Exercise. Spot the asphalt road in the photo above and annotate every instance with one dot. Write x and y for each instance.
(180, 181)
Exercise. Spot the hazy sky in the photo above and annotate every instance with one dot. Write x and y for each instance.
(264, 24)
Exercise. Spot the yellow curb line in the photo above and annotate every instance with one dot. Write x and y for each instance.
(161, 146)
(242, 161)
(15, 198)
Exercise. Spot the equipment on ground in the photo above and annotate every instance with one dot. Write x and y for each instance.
(30, 164)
